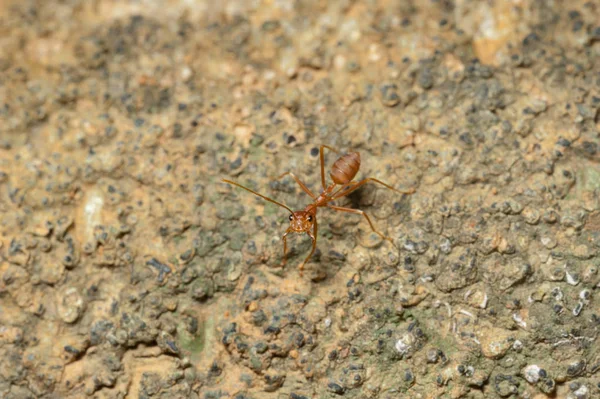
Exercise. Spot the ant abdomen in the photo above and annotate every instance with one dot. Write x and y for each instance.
(345, 168)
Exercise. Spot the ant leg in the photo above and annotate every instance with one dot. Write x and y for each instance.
(359, 212)
(348, 188)
(283, 260)
(302, 185)
(323, 162)
(313, 237)
(365, 181)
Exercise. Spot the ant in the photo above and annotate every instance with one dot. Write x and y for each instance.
(342, 172)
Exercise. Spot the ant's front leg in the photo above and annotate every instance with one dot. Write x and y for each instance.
(313, 237)
(283, 260)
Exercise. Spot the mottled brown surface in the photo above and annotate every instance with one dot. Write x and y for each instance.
(127, 269)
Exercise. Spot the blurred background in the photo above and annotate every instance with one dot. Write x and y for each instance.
(128, 270)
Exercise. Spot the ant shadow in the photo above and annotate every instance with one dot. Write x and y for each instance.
(355, 197)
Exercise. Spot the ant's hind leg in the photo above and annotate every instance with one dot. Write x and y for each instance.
(355, 187)
(359, 212)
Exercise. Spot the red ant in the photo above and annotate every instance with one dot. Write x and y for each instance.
(342, 172)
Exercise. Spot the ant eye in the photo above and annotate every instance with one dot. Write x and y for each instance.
(310, 218)
(291, 217)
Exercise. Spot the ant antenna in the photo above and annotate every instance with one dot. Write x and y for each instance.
(260, 195)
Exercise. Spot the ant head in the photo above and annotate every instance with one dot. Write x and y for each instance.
(301, 221)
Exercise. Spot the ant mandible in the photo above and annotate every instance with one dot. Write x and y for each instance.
(342, 172)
